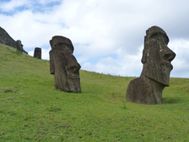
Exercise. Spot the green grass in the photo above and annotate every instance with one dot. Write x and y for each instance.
(31, 110)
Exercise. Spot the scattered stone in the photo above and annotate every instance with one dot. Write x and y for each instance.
(64, 65)
(156, 59)
(37, 53)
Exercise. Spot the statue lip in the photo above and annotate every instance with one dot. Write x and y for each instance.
(168, 65)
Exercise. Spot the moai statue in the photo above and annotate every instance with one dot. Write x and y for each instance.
(19, 45)
(64, 65)
(156, 59)
(37, 53)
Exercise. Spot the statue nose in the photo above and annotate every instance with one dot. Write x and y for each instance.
(169, 55)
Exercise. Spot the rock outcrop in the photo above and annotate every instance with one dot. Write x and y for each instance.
(6, 39)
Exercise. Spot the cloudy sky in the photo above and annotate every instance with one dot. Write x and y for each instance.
(107, 35)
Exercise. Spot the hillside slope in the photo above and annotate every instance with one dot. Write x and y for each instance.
(32, 110)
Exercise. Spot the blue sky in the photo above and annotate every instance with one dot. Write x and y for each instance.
(10, 7)
(107, 35)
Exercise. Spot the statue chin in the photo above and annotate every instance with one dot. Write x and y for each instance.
(159, 74)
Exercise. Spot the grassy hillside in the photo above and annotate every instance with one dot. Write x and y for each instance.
(32, 110)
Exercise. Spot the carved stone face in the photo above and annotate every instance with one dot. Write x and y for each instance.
(64, 65)
(157, 56)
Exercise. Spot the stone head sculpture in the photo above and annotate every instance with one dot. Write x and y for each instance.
(64, 65)
(37, 53)
(62, 43)
(19, 45)
(156, 59)
(157, 56)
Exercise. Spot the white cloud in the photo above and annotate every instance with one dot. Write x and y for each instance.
(125, 64)
(107, 35)
(180, 63)
(12, 4)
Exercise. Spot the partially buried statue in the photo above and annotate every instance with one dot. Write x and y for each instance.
(37, 53)
(156, 59)
(64, 65)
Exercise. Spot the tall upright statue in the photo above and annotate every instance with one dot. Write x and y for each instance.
(156, 60)
(63, 65)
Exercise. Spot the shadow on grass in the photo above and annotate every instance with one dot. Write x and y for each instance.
(175, 100)
(8, 90)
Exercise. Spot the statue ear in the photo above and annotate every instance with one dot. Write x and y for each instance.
(150, 43)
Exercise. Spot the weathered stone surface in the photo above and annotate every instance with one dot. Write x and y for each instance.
(37, 53)
(64, 65)
(19, 45)
(6, 39)
(157, 57)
